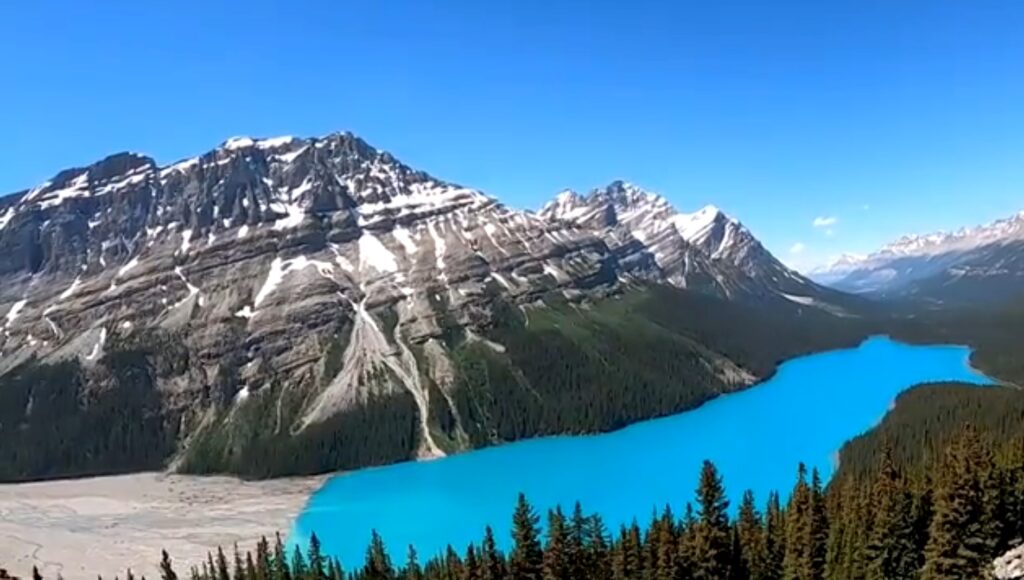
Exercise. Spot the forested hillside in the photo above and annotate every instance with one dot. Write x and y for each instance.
(891, 524)
(926, 418)
(560, 368)
(994, 332)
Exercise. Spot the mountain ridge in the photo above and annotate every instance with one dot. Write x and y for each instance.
(335, 298)
(961, 266)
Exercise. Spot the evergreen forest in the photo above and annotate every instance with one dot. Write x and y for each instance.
(934, 517)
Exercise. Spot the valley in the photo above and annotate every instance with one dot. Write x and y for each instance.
(83, 527)
(298, 307)
(290, 306)
(756, 438)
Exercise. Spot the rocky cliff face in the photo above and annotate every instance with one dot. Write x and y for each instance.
(706, 250)
(327, 273)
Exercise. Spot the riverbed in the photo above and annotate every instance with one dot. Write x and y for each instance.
(82, 528)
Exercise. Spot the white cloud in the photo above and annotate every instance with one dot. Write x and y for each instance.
(797, 248)
(824, 221)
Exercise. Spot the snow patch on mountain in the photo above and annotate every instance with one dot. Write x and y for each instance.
(374, 254)
(912, 258)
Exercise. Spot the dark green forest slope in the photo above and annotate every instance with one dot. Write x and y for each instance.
(994, 332)
(563, 368)
(926, 418)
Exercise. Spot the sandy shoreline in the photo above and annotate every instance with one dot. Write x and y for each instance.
(84, 527)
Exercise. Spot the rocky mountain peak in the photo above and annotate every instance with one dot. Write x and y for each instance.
(317, 275)
(706, 249)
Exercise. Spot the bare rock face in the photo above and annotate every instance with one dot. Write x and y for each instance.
(269, 251)
(705, 250)
(326, 269)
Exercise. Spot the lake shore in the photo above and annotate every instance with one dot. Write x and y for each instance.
(82, 528)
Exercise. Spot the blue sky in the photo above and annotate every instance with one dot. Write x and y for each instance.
(886, 117)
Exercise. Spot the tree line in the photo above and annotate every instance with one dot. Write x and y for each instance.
(948, 522)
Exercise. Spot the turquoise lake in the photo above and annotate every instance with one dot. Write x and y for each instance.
(756, 437)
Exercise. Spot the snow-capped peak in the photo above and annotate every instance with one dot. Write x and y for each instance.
(917, 256)
(242, 142)
(238, 143)
(650, 219)
(965, 238)
(694, 227)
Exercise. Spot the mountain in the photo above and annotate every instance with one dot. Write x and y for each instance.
(706, 250)
(983, 263)
(296, 305)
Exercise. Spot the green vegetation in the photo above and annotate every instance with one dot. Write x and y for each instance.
(561, 368)
(995, 333)
(52, 426)
(886, 526)
(259, 442)
(926, 418)
(584, 369)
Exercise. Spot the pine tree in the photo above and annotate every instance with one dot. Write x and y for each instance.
(238, 572)
(650, 548)
(620, 569)
(556, 562)
(687, 550)
(840, 545)
(250, 566)
(263, 560)
(299, 569)
(222, 565)
(836, 528)
(819, 526)
(493, 565)
(471, 569)
(1012, 491)
(598, 549)
(712, 541)
(962, 537)
(774, 538)
(891, 550)
(627, 558)
(335, 570)
(378, 564)
(527, 559)
(166, 570)
(281, 570)
(453, 564)
(798, 561)
(35, 573)
(750, 535)
(317, 565)
(666, 544)
(577, 553)
(412, 566)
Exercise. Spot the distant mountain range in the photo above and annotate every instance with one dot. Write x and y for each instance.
(980, 264)
(317, 301)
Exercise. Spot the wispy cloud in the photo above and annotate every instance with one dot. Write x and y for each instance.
(824, 221)
(797, 248)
